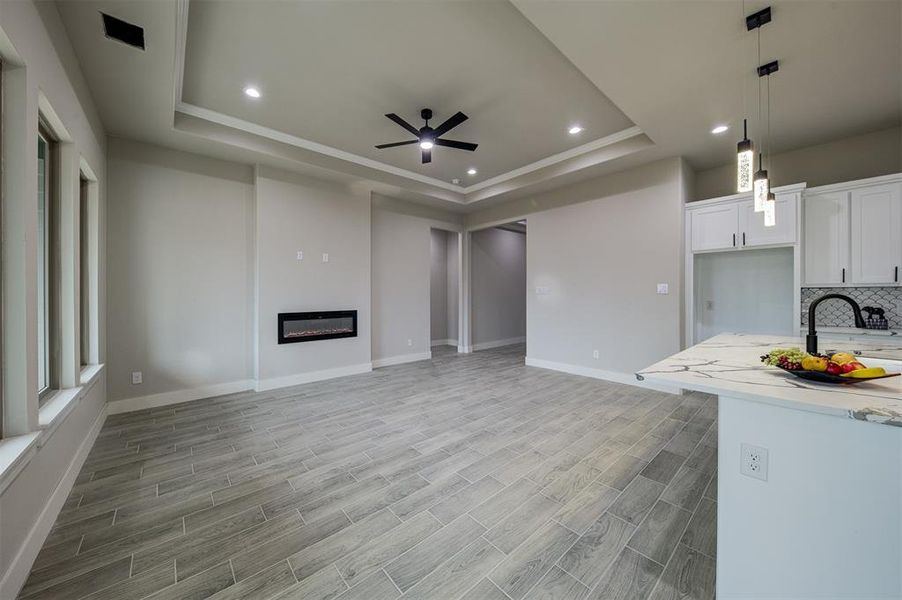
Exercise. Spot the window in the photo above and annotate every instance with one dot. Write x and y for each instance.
(83, 275)
(45, 266)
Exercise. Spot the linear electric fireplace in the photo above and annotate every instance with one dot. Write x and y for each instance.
(323, 325)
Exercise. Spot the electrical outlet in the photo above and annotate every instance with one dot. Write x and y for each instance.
(753, 461)
(137, 378)
(410, 342)
(663, 288)
(300, 255)
(594, 353)
(325, 257)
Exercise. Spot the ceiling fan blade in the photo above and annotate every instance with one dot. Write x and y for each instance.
(427, 156)
(404, 124)
(456, 144)
(392, 145)
(450, 124)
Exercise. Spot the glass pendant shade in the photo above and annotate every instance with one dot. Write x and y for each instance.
(761, 189)
(770, 210)
(745, 158)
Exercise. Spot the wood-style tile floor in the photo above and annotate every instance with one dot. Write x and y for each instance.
(468, 476)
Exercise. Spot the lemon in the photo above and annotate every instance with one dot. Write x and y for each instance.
(866, 373)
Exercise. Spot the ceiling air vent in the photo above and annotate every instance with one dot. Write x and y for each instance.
(119, 30)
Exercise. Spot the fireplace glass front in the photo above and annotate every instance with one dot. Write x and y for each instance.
(322, 325)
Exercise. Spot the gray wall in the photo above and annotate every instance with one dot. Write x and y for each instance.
(31, 499)
(401, 279)
(847, 159)
(401, 250)
(438, 285)
(295, 213)
(498, 276)
(453, 285)
(180, 244)
(601, 257)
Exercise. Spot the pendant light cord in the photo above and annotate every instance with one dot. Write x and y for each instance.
(759, 95)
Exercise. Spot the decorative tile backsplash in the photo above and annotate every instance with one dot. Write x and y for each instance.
(836, 313)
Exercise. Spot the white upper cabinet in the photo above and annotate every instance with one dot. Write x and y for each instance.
(826, 233)
(730, 224)
(751, 224)
(714, 227)
(876, 228)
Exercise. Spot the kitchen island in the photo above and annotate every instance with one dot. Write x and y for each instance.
(826, 519)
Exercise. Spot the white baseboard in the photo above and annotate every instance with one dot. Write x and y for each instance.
(178, 396)
(499, 343)
(445, 342)
(311, 376)
(17, 574)
(616, 377)
(400, 360)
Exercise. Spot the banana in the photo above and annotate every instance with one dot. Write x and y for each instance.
(866, 373)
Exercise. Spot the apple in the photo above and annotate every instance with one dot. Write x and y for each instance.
(834, 368)
(853, 366)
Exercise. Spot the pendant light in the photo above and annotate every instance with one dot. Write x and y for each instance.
(760, 184)
(770, 203)
(745, 155)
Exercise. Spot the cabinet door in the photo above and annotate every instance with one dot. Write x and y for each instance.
(826, 244)
(751, 224)
(714, 227)
(876, 234)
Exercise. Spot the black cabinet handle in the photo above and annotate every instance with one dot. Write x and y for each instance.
(896, 275)
(743, 238)
(734, 240)
(844, 275)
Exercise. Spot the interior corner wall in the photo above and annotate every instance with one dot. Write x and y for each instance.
(33, 53)
(600, 247)
(453, 286)
(180, 271)
(438, 285)
(401, 244)
(846, 159)
(498, 275)
(295, 213)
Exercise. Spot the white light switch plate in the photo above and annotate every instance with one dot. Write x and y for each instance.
(663, 288)
(325, 257)
(137, 378)
(300, 255)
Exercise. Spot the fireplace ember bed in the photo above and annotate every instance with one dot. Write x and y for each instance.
(322, 325)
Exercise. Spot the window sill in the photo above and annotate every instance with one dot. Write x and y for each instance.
(16, 452)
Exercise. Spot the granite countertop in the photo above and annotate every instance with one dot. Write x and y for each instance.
(730, 365)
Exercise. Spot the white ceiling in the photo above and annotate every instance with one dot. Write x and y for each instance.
(677, 69)
(329, 71)
(521, 71)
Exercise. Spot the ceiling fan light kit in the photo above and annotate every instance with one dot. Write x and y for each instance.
(427, 137)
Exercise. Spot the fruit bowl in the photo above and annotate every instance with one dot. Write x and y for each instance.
(838, 368)
(823, 377)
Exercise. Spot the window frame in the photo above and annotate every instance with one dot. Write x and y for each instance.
(49, 311)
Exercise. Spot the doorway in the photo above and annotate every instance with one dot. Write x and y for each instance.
(498, 278)
(444, 289)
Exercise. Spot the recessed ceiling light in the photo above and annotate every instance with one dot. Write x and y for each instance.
(719, 129)
(471, 171)
(252, 91)
(574, 129)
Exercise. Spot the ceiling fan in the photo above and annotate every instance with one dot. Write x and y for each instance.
(428, 137)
